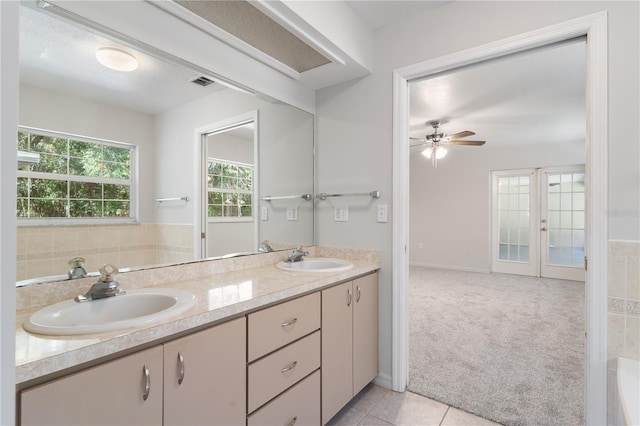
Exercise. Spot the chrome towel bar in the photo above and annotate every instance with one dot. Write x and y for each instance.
(162, 200)
(306, 197)
(372, 194)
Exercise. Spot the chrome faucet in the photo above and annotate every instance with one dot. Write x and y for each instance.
(297, 254)
(265, 247)
(77, 268)
(105, 287)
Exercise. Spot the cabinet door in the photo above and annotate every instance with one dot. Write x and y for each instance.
(336, 369)
(365, 331)
(212, 366)
(108, 394)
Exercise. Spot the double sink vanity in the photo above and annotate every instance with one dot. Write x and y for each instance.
(251, 341)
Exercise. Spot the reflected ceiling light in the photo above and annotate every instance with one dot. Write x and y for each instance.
(116, 59)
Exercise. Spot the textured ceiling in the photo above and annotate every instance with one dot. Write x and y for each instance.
(528, 98)
(244, 21)
(59, 55)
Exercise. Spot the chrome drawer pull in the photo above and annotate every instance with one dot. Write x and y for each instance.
(358, 293)
(293, 421)
(147, 382)
(181, 366)
(288, 323)
(289, 367)
(349, 297)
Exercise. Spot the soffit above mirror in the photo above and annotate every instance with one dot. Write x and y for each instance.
(244, 21)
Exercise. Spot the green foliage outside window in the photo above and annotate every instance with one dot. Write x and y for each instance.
(74, 179)
(230, 189)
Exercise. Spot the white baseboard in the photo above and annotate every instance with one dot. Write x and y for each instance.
(455, 268)
(383, 380)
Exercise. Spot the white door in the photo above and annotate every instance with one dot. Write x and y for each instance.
(562, 223)
(538, 225)
(515, 247)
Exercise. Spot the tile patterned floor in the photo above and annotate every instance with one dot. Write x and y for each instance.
(377, 406)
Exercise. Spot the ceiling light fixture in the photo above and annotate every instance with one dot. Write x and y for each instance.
(116, 59)
(434, 153)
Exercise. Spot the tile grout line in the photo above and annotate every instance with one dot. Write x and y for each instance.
(445, 415)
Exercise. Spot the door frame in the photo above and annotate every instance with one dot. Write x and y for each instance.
(200, 165)
(594, 26)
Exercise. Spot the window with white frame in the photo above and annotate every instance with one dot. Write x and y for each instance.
(75, 178)
(229, 190)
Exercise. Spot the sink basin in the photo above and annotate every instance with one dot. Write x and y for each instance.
(136, 308)
(317, 264)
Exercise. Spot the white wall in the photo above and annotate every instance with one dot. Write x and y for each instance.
(451, 204)
(354, 119)
(8, 121)
(285, 161)
(61, 112)
(286, 168)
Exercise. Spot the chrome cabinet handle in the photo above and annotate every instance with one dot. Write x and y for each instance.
(358, 293)
(293, 421)
(544, 228)
(147, 382)
(289, 367)
(349, 297)
(288, 323)
(181, 368)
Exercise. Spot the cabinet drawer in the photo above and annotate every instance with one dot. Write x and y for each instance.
(282, 369)
(274, 327)
(299, 405)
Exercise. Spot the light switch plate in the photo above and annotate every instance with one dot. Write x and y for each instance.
(292, 213)
(264, 213)
(382, 213)
(341, 214)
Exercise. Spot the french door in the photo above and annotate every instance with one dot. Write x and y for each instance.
(538, 222)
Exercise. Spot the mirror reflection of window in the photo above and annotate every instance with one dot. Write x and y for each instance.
(74, 178)
(229, 189)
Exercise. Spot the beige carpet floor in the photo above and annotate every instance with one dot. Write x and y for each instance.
(505, 347)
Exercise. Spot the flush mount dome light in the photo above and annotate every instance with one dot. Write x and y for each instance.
(116, 59)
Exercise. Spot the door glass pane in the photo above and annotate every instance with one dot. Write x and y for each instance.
(513, 218)
(565, 212)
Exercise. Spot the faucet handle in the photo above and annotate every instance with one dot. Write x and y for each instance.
(107, 272)
(76, 262)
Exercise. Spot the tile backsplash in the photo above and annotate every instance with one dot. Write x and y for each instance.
(45, 251)
(623, 321)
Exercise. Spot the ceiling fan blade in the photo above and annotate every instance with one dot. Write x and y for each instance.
(461, 135)
(472, 143)
(416, 139)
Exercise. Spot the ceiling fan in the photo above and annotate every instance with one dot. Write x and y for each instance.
(435, 143)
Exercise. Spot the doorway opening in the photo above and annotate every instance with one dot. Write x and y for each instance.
(594, 27)
(227, 186)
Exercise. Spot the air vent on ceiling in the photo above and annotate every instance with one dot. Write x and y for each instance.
(202, 81)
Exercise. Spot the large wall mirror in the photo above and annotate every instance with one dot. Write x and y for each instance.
(160, 165)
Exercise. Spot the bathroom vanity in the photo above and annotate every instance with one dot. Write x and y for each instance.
(254, 350)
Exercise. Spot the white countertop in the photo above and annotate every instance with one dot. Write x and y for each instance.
(219, 296)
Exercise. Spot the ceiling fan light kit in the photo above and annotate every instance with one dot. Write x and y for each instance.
(435, 142)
